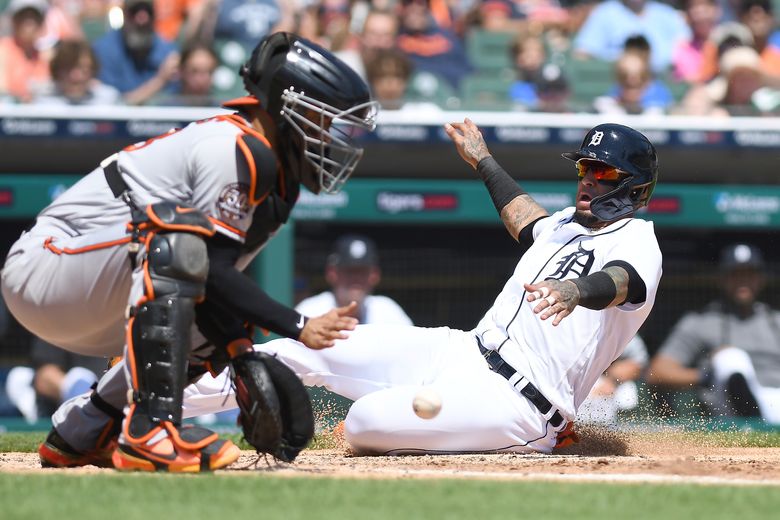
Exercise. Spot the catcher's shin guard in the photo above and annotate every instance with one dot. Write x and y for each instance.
(175, 271)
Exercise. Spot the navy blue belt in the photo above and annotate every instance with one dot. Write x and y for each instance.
(529, 391)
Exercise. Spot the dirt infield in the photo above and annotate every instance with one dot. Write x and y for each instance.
(600, 456)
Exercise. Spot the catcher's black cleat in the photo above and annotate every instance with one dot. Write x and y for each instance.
(55, 452)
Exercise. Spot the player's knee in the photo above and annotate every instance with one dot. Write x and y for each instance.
(364, 426)
(731, 360)
(178, 264)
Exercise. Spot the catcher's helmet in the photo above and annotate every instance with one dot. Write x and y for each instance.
(318, 104)
(629, 151)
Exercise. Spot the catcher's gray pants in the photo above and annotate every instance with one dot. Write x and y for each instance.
(73, 292)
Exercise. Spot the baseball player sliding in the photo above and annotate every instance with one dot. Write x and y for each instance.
(154, 240)
(585, 282)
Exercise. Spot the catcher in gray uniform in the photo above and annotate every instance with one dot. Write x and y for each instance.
(143, 258)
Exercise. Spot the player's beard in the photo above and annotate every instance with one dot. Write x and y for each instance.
(587, 219)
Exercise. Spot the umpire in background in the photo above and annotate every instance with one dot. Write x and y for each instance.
(730, 350)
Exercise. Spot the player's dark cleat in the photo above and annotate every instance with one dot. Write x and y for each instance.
(56, 453)
(166, 455)
(740, 398)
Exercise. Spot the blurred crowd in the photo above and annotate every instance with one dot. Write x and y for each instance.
(694, 57)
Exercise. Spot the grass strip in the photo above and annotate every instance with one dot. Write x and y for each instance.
(145, 496)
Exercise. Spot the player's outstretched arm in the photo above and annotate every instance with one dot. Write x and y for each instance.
(597, 291)
(323, 331)
(516, 208)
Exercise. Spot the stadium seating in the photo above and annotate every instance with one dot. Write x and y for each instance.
(489, 52)
(483, 92)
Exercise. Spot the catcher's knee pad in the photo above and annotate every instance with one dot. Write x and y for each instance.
(175, 271)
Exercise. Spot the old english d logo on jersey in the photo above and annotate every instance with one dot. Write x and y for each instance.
(578, 262)
(233, 203)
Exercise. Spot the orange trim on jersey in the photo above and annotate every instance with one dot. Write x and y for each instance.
(221, 224)
(242, 101)
(47, 244)
(253, 173)
(241, 123)
(250, 160)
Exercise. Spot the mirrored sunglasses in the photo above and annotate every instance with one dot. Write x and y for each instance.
(601, 172)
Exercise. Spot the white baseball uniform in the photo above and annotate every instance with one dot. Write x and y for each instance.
(69, 278)
(382, 367)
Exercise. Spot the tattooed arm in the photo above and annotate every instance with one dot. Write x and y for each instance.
(600, 290)
(516, 208)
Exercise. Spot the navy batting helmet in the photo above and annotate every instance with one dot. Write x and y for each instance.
(318, 103)
(629, 151)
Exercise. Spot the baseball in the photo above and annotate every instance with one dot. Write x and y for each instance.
(426, 403)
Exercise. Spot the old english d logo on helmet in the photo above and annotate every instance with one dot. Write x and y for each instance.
(627, 150)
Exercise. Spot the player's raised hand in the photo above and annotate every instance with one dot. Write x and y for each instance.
(468, 141)
(323, 331)
(556, 298)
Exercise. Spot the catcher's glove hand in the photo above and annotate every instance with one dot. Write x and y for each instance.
(276, 414)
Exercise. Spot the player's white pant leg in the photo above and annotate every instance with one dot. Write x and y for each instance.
(733, 360)
(79, 422)
(72, 294)
(480, 412)
(208, 395)
(374, 357)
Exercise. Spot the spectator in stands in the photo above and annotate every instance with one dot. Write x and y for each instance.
(616, 390)
(245, 23)
(352, 271)
(24, 68)
(636, 90)
(60, 23)
(379, 33)
(702, 17)
(528, 57)
(55, 376)
(742, 86)
(540, 85)
(758, 17)
(196, 74)
(433, 49)
(135, 59)
(178, 19)
(611, 22)
(730, 351)
(388, 76)
(501, 16)
(755, 27)
(74, 78)
(553, 91)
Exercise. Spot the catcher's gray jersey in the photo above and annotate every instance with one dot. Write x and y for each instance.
(68, 278)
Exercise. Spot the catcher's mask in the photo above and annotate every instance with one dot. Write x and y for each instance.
(319, 104)
(630, 152)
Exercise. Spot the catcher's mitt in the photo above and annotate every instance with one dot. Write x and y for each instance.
(276, 414)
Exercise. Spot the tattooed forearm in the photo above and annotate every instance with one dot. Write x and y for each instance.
(620, 277)
(520, 212)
